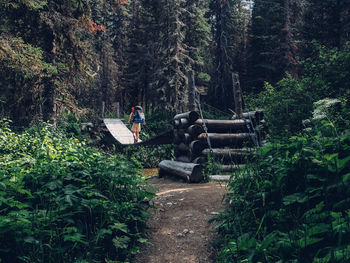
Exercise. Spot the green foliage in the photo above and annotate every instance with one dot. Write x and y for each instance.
(212, 166)
(204, 78)
(332, 65)
(266, 42)
(31, 4)
(285, 107)
(210, 112)
(70, 126)
(292, 203)
(61, 201)
(17, 57)
(151, 156)
(326, 74)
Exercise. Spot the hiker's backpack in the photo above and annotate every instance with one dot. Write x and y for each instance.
(139, 116)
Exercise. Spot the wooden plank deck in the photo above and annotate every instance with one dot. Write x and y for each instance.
(119, 131)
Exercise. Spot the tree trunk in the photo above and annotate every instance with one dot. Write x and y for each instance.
(237, 94)
(200, 160)
(191, 92)
(191, 172)
(195, 130)
(49, 112)
(181, 136)
(197, 147)
(184, 123)
(287, 46)
(192, 116)
(227, 152)
(183, 158)
(181, 149)
(227, 139)
(224, 125)
(231, 155)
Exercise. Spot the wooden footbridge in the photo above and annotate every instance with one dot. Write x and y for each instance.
(121, 134)
(230, 142)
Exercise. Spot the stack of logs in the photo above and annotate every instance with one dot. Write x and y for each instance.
(231, 142)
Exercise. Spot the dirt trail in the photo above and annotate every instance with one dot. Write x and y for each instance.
(179, 230)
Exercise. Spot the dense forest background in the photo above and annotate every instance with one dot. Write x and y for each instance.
(60, 57)
(60, 61)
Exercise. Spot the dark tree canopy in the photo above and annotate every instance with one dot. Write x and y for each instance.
(59, 57)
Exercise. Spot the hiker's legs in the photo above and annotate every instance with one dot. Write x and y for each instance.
(137, 136)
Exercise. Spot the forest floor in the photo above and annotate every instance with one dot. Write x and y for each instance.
(178, 230)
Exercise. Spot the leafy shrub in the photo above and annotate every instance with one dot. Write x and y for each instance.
(61, 201)
(70, 126)
(151, 156)
(293, 203)
(287, 105)
(330, 65)
(326, 73)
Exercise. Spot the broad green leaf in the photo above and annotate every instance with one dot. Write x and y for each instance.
(121, 242)
(295, 198)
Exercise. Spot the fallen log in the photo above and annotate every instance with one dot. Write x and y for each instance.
(181, 123)
(228, 126)
(181, 149)
(184, 123)
(191, 172)
(200, 160)
(176, 123)
(197, 147)
(227, 139)
(188, 138)
(179, 136)
(227, 151)
(183, 158)
(195, 130)
(191, 116)
(236, 155)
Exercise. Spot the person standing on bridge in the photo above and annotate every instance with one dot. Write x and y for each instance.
(138, 117)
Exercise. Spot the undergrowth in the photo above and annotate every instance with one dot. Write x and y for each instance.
(151, 156)
(61, 201)
(293, 203)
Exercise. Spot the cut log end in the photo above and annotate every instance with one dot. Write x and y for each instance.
(190, 172)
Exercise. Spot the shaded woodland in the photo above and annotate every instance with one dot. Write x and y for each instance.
(60, 61)
(60, 57)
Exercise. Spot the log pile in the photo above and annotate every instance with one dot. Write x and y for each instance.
(231, 143)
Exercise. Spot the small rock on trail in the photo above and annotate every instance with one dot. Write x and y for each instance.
(179, 231)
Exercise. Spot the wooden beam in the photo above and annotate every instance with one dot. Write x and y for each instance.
(192, 116)
(227, 139)
(195, 130)
(191, 172)
(224, 125)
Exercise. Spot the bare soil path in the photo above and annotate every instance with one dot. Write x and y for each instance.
(178, 229)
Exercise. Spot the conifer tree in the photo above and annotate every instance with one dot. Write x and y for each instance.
(228, 30)
(267, 23)
(198, 40)
(327, 22)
